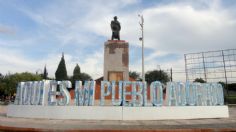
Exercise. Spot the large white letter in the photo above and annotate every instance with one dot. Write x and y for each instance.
(125, 85)
(156, 93)
(137, 91)
(19, 89)
(114, 101)
(105, 85)
(171, 94)
(35, 93)
(181, 90)
(191, 93)
(84, 95)
(52, 99)
(44, 90)
(64, 93)
(26, 93)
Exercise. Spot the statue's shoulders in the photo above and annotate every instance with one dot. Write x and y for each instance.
(113, 22)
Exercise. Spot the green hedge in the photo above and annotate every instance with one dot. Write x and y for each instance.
(232, 87)
(230, 99)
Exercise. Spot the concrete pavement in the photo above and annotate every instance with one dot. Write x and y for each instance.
(23, 124)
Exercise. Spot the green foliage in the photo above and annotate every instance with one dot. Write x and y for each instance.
(157, 75)
(9, 82)
(76, 72)
(82, 77)
(134, 75)
(232, 87)
(222, 83)
(45, 73)
(78, 76)
(61, 73)
(2, 85)
(85, 77)
(230, 99)
(200, 80)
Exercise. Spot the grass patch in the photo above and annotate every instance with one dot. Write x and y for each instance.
(230, 99)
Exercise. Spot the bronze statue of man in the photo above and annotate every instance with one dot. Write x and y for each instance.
(115, 27)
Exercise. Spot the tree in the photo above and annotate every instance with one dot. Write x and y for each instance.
(78, 76)
(134, 75)
(1, 84)
(200, 80)
(157, 75)
(85, 77)
(45, 73)
(10, 81)
(76, 73)
(61, 73)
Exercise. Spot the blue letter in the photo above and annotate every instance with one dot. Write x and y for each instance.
(156, 93)
(114, 101)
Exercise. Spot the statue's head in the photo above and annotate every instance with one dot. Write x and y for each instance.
(115, 17)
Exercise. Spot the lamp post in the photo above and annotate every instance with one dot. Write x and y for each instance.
(142, 39)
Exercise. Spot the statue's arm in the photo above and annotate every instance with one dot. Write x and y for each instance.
(112, 24)
(119, 26)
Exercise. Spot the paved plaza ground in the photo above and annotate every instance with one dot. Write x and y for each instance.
(223, 124)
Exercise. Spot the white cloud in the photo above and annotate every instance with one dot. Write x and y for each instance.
(173, 28)
(178, 28)
(14, 61)
(181, 29)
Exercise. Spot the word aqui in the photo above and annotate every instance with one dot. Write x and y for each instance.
(55, 93)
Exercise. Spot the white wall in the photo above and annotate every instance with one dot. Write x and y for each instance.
(117, 112)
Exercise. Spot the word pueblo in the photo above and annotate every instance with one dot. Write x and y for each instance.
(51, 92)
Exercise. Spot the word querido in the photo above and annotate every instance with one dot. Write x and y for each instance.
(55, 93)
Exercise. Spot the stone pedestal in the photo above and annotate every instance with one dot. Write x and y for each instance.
(116, 60)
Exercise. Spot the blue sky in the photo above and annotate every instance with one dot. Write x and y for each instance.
(35, 33)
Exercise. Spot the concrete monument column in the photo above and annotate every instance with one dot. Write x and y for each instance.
(116, 60)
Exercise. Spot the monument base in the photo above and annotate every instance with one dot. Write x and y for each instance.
(116, 60)
(117, 112)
